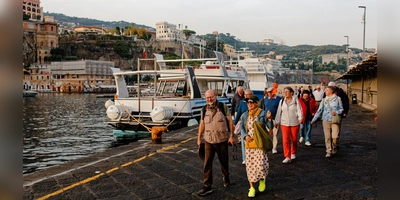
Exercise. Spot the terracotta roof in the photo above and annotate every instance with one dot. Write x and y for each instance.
(366, 67)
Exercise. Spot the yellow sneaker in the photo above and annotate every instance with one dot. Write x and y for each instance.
(261, 185)
(252, 192)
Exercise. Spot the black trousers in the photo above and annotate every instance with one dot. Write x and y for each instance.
(222, 151)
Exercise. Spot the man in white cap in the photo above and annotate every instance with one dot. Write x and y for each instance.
(318, 95)
(270, 106)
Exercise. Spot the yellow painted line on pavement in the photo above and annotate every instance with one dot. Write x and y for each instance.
(87, 180)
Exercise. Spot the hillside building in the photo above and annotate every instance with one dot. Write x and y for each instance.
(32, 9)
(169, 32)
(90, 30)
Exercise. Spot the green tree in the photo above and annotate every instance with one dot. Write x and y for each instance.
(25, 17)
(188, 33)
(118, 30)
(123, 49)
(57, 54)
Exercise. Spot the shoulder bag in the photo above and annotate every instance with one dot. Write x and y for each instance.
(336, 118)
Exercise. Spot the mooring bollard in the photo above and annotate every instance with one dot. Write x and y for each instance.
(156, 134)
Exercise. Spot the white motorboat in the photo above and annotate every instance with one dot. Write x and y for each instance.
(29, 93)
(258, 76)
(178, 96)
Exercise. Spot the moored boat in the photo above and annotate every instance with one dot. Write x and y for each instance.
(178, 96)
(29, 93)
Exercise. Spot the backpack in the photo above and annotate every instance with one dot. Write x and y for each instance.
(283, 99)
(221, 108)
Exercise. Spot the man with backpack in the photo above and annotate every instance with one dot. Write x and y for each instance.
(217, 127)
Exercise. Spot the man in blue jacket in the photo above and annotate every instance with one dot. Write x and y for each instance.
(242, 109)
(270, 105)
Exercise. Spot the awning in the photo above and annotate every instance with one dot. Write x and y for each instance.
(366, 67)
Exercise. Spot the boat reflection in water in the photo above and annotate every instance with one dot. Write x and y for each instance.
(58, 128)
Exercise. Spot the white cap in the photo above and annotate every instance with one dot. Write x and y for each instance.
(331, 84)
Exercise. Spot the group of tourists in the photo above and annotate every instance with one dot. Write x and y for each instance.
(254, 119)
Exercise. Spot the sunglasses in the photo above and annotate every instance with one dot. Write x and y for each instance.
(251, 102)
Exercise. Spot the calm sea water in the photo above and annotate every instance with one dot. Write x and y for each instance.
(58, 128)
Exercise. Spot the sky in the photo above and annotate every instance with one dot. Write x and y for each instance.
(291, 22)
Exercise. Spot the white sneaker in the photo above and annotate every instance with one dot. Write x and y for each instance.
(244, 162)
(328, 155)
(308, 144)
(274, 151)
(301, 139)
(293, 156)
(287, 160)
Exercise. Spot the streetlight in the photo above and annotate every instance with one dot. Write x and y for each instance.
(347, 50)
(364, 21)
(216, 42)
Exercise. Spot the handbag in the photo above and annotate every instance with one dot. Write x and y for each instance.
(251, 145)
(335, 118)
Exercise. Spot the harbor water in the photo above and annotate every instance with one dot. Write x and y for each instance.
(60, 127)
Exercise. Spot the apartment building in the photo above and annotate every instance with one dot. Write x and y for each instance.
(81, 76)
(32, 9)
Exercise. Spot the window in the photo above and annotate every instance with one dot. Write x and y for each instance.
(52, 30)
(47, 77)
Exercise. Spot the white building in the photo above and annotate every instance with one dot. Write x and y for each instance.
(327, 58)
(267, 42)
(169, 32)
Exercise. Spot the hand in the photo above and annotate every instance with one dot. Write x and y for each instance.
(276, 125)
(344, 115)
(231, 140)
(312, 122)
(198, 142)
(333, 113)
(249, 139)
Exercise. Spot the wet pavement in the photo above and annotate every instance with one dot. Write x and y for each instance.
(173, 170)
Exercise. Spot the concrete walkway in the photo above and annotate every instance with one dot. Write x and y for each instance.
(172, 170)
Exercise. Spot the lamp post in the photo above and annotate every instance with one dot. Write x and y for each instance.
(364, 21)
(216, 45)
(347, 51)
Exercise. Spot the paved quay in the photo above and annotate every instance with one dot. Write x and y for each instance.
(173, 170)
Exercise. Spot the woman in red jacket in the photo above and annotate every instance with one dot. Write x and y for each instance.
(309, 108)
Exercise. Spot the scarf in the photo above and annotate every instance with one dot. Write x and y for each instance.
(254, 113)
(330, 98)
